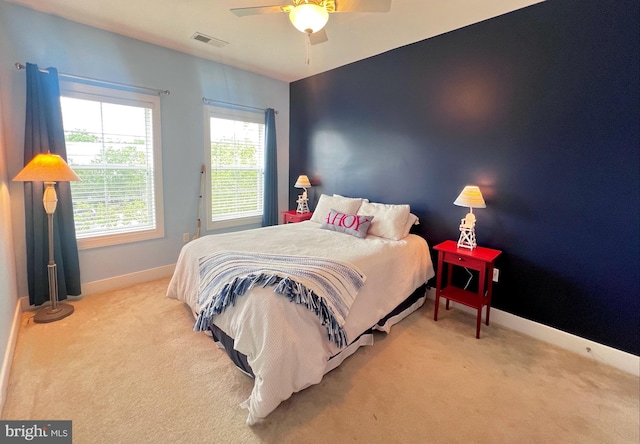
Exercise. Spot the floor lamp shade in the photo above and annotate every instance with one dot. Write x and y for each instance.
(49, 168)
(46, 168)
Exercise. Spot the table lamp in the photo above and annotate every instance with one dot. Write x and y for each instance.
(469, 197)
(49, 168)
(303, 182)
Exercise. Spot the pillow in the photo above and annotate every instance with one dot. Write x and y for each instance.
(390, 220)
(337, 195)
(353, 224)
(411, 221)
(326, 203)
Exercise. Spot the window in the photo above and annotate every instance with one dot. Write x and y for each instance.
(235, 150)
(113, 145)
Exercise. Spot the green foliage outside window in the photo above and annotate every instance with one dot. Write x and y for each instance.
(236, 177)
(113, 183)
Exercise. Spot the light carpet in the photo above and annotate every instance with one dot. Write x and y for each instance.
(126, 367)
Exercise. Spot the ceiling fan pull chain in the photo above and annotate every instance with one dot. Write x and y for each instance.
(307, 44)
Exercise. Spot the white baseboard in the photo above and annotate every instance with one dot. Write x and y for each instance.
(619, 359)
(8, 354)
(126, 280)
(113, 283)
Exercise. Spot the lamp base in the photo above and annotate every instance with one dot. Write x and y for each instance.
(303, 206)
(467, 238)
(49, 314)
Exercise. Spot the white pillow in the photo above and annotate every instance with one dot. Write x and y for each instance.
(389, 221)
(341, 204)
(411, 221)
(337, 195)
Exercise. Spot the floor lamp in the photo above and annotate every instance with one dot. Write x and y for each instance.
(49, 168)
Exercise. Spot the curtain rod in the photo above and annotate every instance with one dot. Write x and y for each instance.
(212, 101)
(20, 66)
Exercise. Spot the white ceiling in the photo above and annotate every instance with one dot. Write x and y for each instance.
(269, 44)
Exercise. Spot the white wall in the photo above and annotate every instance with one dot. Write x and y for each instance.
(8, 284)
(29, 36)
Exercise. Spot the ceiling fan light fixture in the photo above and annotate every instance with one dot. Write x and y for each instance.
(309, 17)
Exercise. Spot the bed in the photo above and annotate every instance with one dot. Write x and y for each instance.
(288, 344)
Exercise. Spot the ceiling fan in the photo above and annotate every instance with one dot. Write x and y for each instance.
(310, 16)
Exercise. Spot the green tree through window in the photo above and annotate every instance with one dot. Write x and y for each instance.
(113, 144)
(120, 170)
(237, 167)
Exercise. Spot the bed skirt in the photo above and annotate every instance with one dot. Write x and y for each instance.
(404, 309)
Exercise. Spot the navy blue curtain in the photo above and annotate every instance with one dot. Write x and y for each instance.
(270, 212)
(44, 132)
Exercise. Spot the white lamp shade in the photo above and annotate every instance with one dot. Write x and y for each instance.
(302, 182)
(470, 197)
(46, 168)
(309, 17)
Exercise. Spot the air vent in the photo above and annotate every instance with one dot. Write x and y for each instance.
(209, 40)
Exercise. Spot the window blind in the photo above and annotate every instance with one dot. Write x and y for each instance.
(237, 167)
(111, 148)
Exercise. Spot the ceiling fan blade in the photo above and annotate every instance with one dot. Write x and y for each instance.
(363, 5)
(243, 12)
(318, 37)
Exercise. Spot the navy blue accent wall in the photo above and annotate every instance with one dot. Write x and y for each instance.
(540, 108)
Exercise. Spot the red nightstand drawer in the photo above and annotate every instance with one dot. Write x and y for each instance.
(290, 217)
(464, 261)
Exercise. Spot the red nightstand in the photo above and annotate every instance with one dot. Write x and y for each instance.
(292, 216)
(480, 259)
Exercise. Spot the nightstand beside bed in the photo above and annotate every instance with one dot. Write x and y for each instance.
(480, 259)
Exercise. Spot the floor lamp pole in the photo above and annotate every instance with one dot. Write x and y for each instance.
(57, 310)
(49, 168)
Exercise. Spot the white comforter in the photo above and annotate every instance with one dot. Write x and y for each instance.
(284, 342)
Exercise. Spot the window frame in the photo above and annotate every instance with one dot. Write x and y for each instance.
(235, 114)
(130, 98)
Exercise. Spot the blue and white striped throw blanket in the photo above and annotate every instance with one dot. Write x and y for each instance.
(326, 287)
